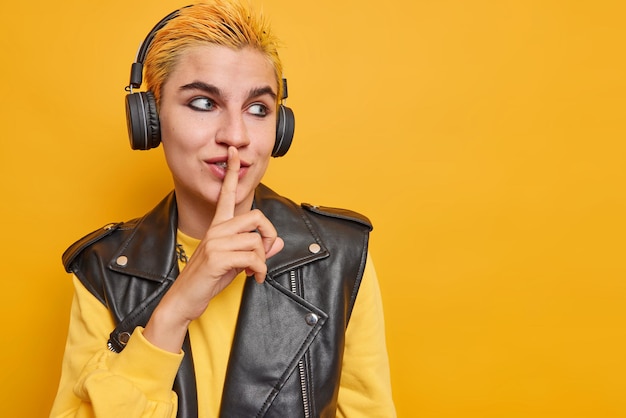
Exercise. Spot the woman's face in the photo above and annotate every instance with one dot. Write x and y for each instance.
(214, 98)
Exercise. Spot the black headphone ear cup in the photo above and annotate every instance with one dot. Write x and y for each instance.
(285, 128)
(142, 120)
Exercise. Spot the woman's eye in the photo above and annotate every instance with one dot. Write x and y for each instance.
(258, 109)
(202, 103)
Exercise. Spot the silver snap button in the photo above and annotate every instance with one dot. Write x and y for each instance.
(311, 318)
(315, 248)
(122, 260)
(124, 337)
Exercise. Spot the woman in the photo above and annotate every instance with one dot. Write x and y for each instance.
(226, 299)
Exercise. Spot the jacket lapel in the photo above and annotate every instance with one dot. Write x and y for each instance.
(302, 243)
(149, 252)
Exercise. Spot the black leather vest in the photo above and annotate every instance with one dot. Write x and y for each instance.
(288, 346)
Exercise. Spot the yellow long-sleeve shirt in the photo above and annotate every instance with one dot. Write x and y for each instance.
(137, 382)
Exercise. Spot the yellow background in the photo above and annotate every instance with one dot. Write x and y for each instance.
(485, 139)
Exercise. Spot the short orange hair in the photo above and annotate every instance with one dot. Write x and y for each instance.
(229, 23)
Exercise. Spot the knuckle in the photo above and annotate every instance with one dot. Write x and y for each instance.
(257, 214)
(256, 239)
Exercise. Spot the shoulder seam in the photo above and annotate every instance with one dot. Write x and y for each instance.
(76, 248)
(338, 213)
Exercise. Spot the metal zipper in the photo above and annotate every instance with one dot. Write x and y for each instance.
(301, 369)
(305, 397)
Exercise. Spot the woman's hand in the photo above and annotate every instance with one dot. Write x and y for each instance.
(231, 244)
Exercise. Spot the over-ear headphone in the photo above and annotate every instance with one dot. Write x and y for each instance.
(142, 117)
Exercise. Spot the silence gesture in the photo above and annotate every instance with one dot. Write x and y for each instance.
(231, 245)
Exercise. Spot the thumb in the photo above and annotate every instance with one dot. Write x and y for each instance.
(277, 246)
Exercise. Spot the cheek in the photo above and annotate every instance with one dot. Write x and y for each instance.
(168, 132)
(267, 140)
(178, 143)
(263, 151)
(176, 132)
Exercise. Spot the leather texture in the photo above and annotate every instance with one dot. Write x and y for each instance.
(287, 351)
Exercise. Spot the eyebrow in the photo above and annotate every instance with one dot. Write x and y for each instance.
(260, 91)
(212, 89)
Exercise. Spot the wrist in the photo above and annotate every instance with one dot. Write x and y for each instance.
(166, 328)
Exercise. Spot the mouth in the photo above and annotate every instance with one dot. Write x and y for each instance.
(224, 164)
(220, 167)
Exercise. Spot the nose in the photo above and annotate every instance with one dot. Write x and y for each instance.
(232, 130)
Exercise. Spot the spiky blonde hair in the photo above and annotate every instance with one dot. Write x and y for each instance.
(229, 23)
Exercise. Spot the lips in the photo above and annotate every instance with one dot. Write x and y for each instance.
(218, 167)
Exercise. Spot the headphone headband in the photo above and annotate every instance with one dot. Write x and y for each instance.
(136, 69)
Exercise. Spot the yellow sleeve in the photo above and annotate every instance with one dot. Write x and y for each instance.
(96, 382)
(365, 387)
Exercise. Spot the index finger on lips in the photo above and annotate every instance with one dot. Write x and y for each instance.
(225, 208)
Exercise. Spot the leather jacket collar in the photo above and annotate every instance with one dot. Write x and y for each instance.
(148, 251)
